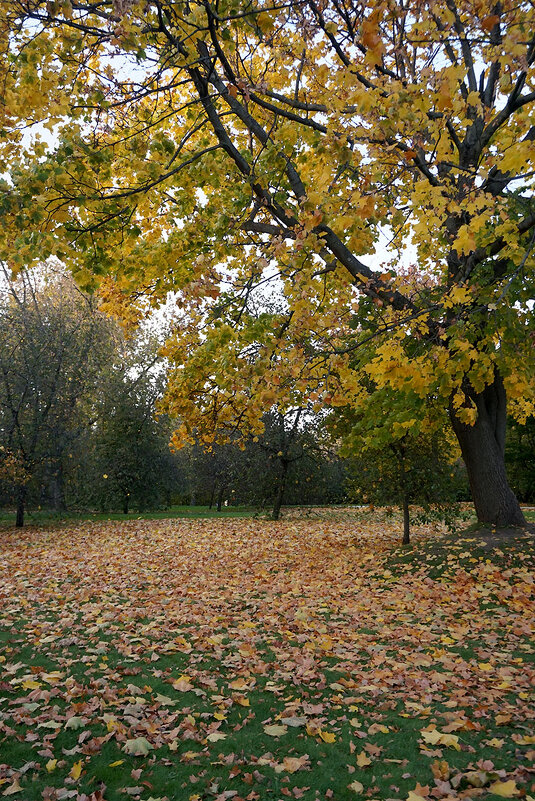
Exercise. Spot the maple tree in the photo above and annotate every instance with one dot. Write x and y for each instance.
(210, 148)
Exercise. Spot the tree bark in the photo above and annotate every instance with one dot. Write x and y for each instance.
(21, 499)
(406, 521)
(220, 497)
(280, 490)
(483, 450)
(126, 503)
(58, 490)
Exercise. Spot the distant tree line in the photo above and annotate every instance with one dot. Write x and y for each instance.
(80, 429)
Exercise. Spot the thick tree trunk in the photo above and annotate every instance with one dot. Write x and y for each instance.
(21, 499)
(406, 521)
(280, 491)
(483, 450)
(212, 496)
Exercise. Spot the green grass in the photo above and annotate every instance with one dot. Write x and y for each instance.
(40, 517)
(195, 768)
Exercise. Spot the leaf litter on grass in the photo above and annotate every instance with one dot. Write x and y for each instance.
(245, 660)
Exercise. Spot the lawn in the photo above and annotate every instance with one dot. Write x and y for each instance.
(45, 517)
(242, 659)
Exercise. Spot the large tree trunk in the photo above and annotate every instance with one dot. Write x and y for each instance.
(483, 450)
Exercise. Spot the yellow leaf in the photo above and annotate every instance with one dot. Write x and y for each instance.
(241, 700)
(327, 736)
(363, 760)
(436, 737)
(215, 736)
(292, 764)
(238, 684)
(30, 684)
(116, 764)
(76, 770)
(357, 787)
(183, 684)
(505, 789)
(52, 678)
(13, 788)
(275, 730)
(51, 765)
(165, 700)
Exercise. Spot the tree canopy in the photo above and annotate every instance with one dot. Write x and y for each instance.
(219, 149)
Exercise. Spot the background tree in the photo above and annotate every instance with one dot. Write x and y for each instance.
(128, 462)
(401, 462)
(419, 121)
(129, 447)
(290, 437)
(214, 472)
(54, 345)
(520, 459)
(410, 471)
(292, 447)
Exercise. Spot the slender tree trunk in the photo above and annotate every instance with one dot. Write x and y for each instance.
(212, 496)
(58, 490)
(126, 502)
(220, 497)
(21, 500)
(399, 452)
(406, 521)
(280, 491)
(483, 450)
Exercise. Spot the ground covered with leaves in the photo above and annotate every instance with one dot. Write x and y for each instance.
(242, 659)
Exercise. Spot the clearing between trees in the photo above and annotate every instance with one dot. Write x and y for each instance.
(240, 659)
